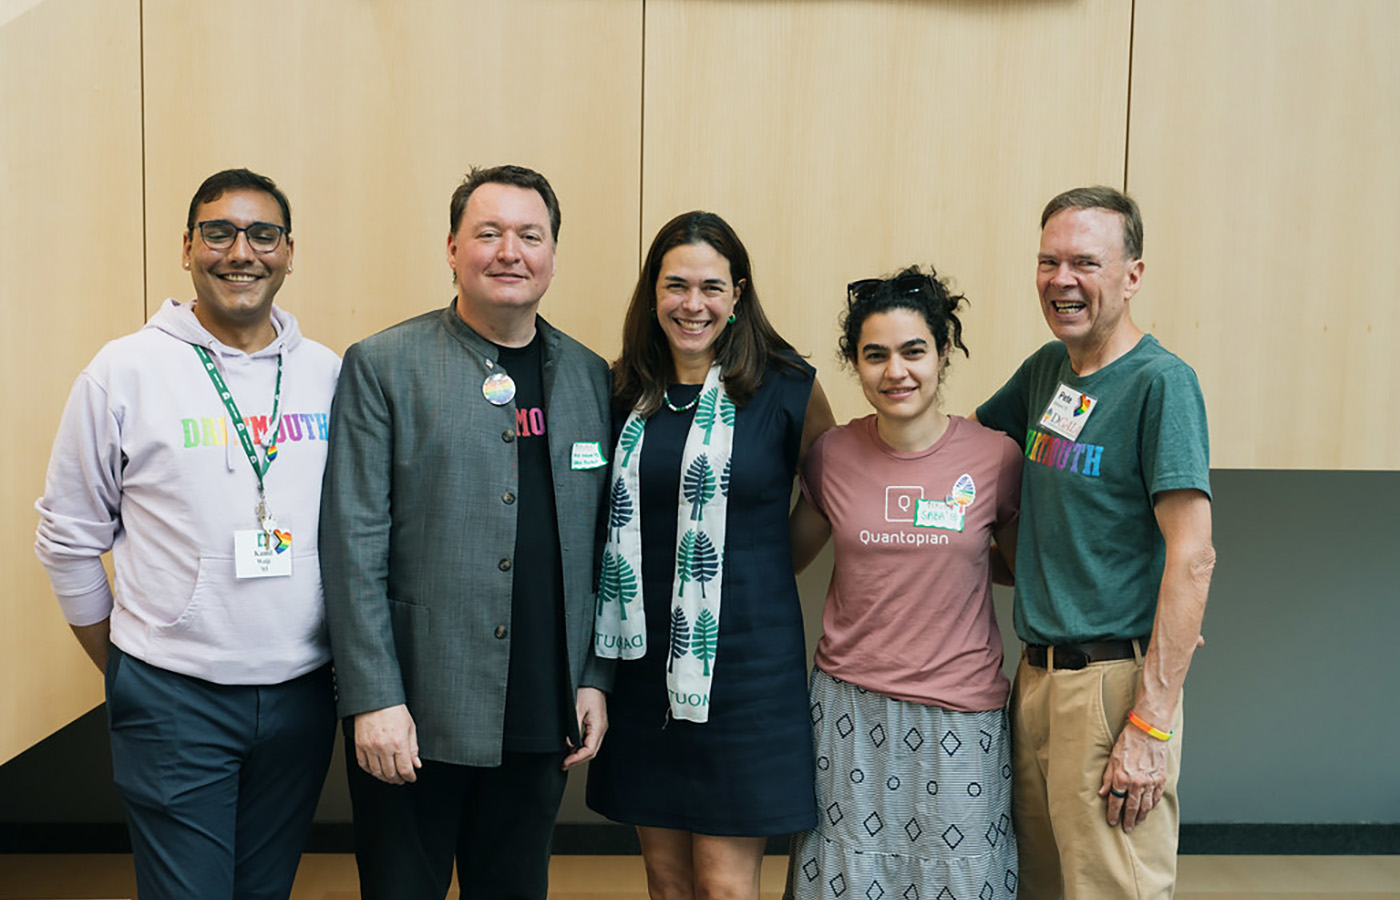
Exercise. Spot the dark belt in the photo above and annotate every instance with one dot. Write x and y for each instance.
(1077, 656)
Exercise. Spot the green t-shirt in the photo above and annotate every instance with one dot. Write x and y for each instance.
(1089, 554)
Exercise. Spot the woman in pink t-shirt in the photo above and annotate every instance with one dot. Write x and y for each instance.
(908, 697)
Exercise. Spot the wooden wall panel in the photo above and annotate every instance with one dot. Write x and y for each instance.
(70, 279)
(842, 139)
(368, 114)
(846, 139)
(1263, 151)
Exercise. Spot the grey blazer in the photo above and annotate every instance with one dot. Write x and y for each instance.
(417, 533)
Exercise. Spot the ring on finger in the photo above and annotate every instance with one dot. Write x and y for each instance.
(1117, 793)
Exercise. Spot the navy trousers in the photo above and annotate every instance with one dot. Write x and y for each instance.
(220, 782)
(496, 823)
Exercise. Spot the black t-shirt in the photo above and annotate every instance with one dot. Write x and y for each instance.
(536, 693)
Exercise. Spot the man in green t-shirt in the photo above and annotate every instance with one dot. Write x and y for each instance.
(1114, 560)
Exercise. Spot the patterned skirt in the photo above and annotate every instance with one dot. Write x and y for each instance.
(913, 801)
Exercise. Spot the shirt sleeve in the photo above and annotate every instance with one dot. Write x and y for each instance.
(1009, 483)
(1006, 410)
(80, 512)
(1176, 441)
(354, 539)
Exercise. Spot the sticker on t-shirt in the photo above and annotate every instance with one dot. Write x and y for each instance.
(938, 514)
(963, 493)
(587, 455)
(1068, 411)
(262, 554)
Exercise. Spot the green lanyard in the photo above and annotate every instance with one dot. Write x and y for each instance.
(260, 467)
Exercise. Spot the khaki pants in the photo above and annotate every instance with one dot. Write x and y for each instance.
(1064, 724)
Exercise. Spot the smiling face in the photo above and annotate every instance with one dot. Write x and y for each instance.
(234, 288)
(502, 254)
(1084, 279)
(694, 299)
(898, 363)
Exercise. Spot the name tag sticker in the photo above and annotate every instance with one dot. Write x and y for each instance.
(262, 554)
(587, 455)
(1068, 411)
(938, 514)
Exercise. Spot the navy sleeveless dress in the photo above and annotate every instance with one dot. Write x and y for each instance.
(748, 771)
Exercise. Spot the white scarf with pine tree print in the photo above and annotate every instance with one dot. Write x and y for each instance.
(621, 630)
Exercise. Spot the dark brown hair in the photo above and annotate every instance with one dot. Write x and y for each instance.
(515, 176)
(216, 185)
(745, 350)
(914, 289)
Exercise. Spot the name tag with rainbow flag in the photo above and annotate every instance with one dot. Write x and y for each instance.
(1068, 411)
(262, 554)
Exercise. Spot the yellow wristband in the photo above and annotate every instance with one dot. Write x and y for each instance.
(1155, 732)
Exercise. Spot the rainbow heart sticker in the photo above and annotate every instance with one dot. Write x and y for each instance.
(284, 540)
(1084, 404)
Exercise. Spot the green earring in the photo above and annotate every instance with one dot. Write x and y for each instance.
(733, 318)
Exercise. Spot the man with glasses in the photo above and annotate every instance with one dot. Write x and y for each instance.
(1113, 564)
(193, 450)
(460, 531)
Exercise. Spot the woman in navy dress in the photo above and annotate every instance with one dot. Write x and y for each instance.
(709, 747)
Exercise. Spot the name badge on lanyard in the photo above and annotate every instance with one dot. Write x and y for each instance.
(266, 551)
(1068, 411)
(262, 554)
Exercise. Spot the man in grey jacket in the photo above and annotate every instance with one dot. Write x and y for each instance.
(460, 520)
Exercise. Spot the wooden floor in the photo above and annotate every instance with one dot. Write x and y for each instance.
(332, 877)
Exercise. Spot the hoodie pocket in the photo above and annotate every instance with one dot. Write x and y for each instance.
(235, 629)
(210, 571)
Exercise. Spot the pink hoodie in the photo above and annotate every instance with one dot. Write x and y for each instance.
(146, 465)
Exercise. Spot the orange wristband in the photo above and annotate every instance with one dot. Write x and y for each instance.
(1142, 724)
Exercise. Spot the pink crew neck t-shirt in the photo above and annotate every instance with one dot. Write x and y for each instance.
(909, 610)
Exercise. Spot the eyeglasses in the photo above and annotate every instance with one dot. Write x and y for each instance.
(901, 285)
(218, 234)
